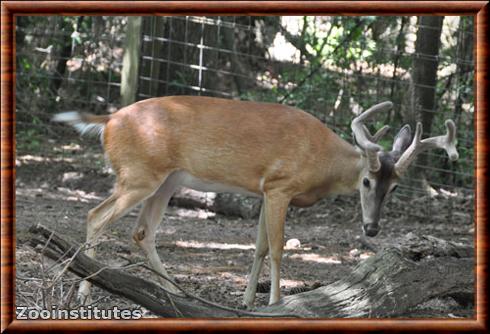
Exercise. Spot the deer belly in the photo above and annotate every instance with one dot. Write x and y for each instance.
(190, 181)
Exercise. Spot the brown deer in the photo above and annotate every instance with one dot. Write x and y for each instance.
(273, 151)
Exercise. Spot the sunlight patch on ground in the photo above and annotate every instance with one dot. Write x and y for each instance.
(356, 254)
(313, 257)
(60, 193)
(237, 279)
(29, 158)
(79, 195)
(211, 272)
(289, 283)
(212, 245)
(197, 213)
(25, 159)
(68, 147)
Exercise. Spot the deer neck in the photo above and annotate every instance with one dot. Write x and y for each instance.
(350, 166)
(345, 170)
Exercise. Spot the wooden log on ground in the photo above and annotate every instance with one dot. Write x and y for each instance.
(143, 292)
(192, 199)
(389, 284)
(236, 205)
(231, 205)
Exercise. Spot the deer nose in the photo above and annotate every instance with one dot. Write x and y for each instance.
(370, 230)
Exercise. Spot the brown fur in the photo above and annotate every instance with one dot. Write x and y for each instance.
(231, 142)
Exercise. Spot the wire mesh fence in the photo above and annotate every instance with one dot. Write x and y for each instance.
(319, 64)
(61, 68)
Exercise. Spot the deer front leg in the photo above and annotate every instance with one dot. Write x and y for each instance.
(276, 205)
(261, 248)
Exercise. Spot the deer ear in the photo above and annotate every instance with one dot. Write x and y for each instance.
(402, 140)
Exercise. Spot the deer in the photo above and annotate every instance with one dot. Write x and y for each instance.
(275, 152)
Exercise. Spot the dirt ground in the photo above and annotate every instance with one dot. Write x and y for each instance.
(209, 255)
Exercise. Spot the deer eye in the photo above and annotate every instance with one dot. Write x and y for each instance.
(365, 182)
(393, 189)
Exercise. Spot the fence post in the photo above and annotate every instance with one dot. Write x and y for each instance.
(129, 77)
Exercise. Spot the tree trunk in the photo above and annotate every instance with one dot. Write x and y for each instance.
(425, 65)
(394, 89)
(464, 71)
(230, 42)
(389, 284)
(64, 54)
(129, 75)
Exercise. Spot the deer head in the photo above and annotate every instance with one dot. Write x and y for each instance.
(382, 169)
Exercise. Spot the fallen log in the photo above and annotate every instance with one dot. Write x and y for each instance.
(389, 284)
(143, 292)
(193, 199)
(227, 204)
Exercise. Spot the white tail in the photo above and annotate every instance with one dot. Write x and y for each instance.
(85, 124)
(273, 151)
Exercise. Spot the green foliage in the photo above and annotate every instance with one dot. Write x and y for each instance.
(29, 140)
(345, 60)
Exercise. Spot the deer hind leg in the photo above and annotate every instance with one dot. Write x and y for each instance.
(261, 248)
(276, 206)
(125, 197)
(149, 219)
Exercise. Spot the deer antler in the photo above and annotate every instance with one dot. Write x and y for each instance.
(447, 142)
(365, 140)
(378, 135)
